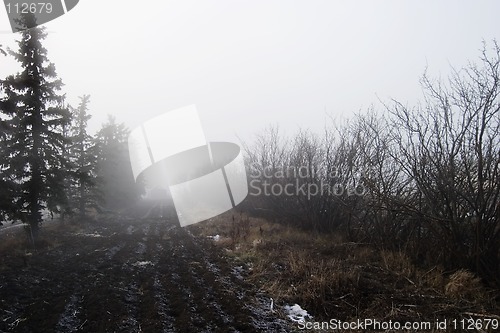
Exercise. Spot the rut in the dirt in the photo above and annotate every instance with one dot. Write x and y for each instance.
(131, 275)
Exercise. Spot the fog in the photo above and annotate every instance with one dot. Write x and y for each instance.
(246, 64)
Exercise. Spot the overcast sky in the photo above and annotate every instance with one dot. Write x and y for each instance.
(247, 64)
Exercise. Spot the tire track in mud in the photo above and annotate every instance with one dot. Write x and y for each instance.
(103, 288)
(188, 294)
(206, 286)
(140, 276)
(134, 297)
(151, 306)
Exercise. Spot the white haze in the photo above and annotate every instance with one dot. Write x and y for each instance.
(246, 64)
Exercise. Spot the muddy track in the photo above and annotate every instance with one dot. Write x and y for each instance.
(130, 275)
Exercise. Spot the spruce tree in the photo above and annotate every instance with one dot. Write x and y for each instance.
(82, 154)
(33, 119)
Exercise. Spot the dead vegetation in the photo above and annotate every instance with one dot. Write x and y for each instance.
(332, 278)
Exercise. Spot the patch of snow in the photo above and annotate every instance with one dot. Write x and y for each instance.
(296, 313)
(95, 234)
(142, 263)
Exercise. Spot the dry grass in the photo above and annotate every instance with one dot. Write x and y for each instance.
(398, 262)
(464, 284)
(334, 278)
(17, 239)
(316, 282)
(12, 242)
(289, 264)
(433, 278)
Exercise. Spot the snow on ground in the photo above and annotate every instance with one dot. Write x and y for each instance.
(215, 238)
(142, 263)
(94, 234)
(296, 313)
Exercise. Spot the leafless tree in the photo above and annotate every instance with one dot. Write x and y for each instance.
(450, 147)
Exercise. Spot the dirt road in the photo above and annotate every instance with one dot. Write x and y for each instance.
(129, 275)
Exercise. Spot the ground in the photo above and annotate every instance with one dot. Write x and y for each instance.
(140, 272)
(126, 274)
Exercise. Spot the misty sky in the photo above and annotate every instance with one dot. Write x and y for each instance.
(247, 64)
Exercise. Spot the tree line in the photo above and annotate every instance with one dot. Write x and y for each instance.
(422, 179)
(48, 160)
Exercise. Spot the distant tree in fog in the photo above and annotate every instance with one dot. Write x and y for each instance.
(116, 181)
(32, 139)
